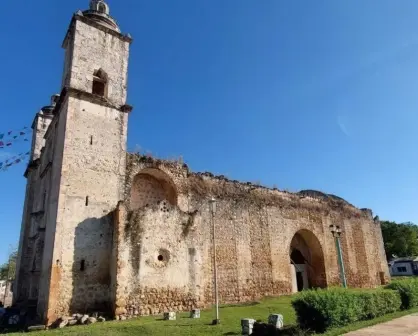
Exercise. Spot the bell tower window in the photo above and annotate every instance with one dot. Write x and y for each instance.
(99, 83)
(102, 8)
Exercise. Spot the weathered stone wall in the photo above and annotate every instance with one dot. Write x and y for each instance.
(86, 176)
(31, 245)
(55, 138)
(40, 126)
(91, 185)
(92, 49)
(165, 250)
(147, 190)
(75, 179)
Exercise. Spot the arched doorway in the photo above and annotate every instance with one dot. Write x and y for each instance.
(307, 265)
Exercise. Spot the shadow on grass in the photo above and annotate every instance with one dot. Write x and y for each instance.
(243, 304)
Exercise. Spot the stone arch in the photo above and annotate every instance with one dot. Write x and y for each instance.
(151, 186)
(307, 261)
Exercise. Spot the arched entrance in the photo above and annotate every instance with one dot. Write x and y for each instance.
(307, 267)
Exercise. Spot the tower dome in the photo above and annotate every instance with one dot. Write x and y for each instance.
(99, 11)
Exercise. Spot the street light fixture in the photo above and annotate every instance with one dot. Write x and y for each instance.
(212, 205)
(336, 232)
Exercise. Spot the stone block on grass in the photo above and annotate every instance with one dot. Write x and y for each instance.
(72, 322)
(276, 320)
(37, 328)
(247, 326)
(91, 320)
(170, 316)
(84, 319)
(195, 313)
(62, 322)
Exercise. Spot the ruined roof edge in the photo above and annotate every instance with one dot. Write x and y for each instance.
(327, 198)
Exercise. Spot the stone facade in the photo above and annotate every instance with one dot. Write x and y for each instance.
(104, 230)
(164, 245)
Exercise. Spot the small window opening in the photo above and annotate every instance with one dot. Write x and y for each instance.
(44, 200)
(160, 258)
(98, 88)
(91, 140)
(102, 8)
(87, 201)
(34, 264)
(82, 265)
(99, 83)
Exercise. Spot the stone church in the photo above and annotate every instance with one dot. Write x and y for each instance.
(110, 231)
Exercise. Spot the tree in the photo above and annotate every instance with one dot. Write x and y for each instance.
(401, 240)
(8, 269)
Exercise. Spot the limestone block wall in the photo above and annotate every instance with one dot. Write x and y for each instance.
(146, 190)
(52, 163)
(91, 47)
(163, 248)
(90, 186)
(40, 126)
(26, 247)
(32, 218)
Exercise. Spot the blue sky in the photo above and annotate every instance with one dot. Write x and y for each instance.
(299, 94)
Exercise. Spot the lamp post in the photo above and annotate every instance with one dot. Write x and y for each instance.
(212, 205)
(336, 232)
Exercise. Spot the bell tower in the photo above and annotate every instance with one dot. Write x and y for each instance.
(96, 54)
(84, 162)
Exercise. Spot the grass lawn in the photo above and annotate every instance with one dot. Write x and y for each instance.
(230, 322)
(403, 277)
(230, 317)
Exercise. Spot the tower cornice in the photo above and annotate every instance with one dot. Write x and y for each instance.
(80, 17)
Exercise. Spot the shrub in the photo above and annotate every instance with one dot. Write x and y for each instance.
(319, 310)
(264, 329)
(408, 290)
(378, 303)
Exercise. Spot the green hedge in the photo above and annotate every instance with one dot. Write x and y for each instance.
(264, 329)
(322, 309)
(408, 289)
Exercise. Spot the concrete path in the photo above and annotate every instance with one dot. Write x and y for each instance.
(404, 326)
